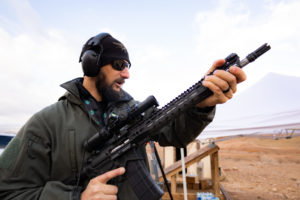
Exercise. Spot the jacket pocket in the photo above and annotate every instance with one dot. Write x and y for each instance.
(72, 151)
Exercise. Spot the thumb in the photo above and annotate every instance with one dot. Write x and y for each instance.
(216, 64)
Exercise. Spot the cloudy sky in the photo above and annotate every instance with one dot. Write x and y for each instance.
(171, 44)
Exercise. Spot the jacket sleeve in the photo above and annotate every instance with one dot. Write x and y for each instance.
(25, 167)
(186, 127)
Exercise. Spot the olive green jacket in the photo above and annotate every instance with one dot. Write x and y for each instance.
(47, 150)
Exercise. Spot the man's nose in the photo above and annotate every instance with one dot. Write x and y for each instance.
(125, 73)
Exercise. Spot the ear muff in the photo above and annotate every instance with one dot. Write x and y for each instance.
(90, 55)
(89, 63)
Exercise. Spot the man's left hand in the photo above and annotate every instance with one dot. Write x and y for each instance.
(223, 84)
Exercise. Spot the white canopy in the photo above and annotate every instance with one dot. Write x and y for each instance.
(269, 106)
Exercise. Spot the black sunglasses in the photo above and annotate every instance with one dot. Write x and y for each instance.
(120, 65)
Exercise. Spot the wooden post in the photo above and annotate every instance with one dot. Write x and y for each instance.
(173, 184)
(214, 159)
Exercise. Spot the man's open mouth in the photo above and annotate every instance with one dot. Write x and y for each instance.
(120, 82)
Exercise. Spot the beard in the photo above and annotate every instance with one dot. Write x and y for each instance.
(106, 91)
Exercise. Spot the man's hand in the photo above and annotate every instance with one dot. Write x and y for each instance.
(223, 84)
(97, 188)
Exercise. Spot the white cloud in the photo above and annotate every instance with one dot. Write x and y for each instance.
(152, 64)
(224, 30)
(36, 59)
(31, 70)
(28, 19)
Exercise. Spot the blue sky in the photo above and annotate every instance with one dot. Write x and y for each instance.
(171, 44)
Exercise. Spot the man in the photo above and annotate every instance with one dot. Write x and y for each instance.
(48, 150)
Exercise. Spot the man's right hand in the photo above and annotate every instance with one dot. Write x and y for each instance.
(97, 189)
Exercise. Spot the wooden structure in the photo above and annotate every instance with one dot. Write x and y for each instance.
(172, 172)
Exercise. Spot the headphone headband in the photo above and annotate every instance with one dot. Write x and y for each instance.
(92, 42)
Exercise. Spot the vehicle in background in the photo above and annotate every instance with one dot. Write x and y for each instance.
(4, 140)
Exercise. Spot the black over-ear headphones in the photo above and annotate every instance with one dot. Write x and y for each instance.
(89, 58)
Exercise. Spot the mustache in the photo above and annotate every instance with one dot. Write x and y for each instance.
(120, 80)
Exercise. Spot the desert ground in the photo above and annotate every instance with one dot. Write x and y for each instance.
(260, 167)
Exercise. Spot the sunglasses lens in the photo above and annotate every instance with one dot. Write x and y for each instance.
(120, 64)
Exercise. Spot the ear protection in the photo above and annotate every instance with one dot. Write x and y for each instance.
(90, 55)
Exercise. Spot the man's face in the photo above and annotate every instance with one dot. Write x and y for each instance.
(110, 81)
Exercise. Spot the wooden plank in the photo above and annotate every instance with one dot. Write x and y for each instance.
(189, 160)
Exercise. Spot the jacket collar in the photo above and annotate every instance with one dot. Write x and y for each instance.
(72, 93)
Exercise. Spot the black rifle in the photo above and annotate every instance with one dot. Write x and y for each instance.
(118, 144)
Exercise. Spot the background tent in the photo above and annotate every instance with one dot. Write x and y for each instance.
(269, 106)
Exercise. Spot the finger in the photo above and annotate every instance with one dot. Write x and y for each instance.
(218, 80)
(98, 187)
(97, 190)
(219, 96)
(216, 64)
(224, 82)
(239, 73)
(109, 189)
(219, 62)
(104, 178)
(105, 197)
(229, 78)
(229, 94)
(110, 197)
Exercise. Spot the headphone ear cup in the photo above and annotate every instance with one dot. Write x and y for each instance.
(89, 63)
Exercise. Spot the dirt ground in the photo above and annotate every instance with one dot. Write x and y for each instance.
(260, 168)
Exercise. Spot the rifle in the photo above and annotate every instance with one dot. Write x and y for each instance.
(117, 145)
